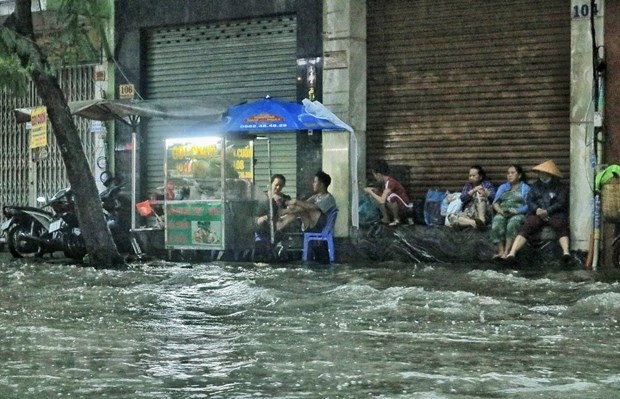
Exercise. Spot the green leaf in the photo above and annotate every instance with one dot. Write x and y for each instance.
(13, 77)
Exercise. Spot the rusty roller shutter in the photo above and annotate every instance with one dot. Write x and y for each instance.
(453, 83)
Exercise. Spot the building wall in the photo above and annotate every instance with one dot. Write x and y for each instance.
(134, 17)
(583, 145)
(335, 32)
(612, 108)
(344, 92)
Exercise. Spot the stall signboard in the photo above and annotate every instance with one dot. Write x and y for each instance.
(38, 131)
(194, 169)
(194, 224)
(242, 154)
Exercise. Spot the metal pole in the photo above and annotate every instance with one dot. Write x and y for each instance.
(134, 141)
(272, 232)
(134, 121)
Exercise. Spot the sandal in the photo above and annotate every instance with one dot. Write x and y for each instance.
(394, 223)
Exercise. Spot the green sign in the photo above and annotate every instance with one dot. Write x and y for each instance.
(194, 225)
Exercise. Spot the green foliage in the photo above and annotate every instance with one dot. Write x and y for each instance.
(82, 32)
(99, 9)
(13, 77)
(78, 34)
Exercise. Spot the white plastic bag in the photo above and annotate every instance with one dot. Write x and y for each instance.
(454, 207)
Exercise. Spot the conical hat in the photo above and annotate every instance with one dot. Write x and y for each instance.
(548, 167)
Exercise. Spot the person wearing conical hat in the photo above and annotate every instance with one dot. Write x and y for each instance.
(547, 206)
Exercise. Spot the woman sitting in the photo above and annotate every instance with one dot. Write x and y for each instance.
(476, 197)
(510, 207)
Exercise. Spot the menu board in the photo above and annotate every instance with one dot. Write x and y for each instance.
(194, 224)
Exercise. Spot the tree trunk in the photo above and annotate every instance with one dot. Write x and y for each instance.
(97, 236)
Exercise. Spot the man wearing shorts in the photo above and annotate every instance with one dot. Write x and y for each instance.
(313, 211)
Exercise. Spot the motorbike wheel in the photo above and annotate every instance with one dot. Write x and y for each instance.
(20, 246)
(74, 247)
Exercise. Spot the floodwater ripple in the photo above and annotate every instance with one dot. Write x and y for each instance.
(218, 330)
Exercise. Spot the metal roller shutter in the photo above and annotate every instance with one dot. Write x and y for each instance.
(237, 60)
(453, 83)
(22, 182)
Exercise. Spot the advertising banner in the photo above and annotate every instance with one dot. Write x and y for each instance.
(38, 131)
(195, 225)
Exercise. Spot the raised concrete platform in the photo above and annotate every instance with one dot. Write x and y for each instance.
(415, 243)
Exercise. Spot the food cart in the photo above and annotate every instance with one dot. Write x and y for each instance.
(208, 193)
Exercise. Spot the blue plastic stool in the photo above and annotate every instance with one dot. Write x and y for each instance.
(327, 234)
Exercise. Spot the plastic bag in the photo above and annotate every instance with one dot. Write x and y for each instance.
(453, 208)
(368, 211)
(432, 207)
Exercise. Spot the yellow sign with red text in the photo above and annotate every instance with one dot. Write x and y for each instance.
(38, 131)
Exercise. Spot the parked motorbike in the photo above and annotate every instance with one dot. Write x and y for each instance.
(65, 228)
(27, 229)
(34, 231)
(117, 212)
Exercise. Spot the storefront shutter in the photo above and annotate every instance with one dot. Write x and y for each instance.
(454, 83)
(235, 60)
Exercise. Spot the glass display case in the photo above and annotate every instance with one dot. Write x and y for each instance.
(208, 193)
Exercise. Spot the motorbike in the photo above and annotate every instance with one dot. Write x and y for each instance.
(117, 212)
(27, 229)
(65, 228)
(32, 231)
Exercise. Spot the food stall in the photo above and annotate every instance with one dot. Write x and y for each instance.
(208, 193)
(209, 196)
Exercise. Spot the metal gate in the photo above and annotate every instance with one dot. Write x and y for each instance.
(22, 179)
(454, 83)
(238, 60)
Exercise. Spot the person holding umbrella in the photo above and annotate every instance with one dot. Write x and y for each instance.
(547, 206)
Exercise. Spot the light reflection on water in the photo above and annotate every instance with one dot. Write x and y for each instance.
(218, 330)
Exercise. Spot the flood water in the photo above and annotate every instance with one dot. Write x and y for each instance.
(243, 330)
